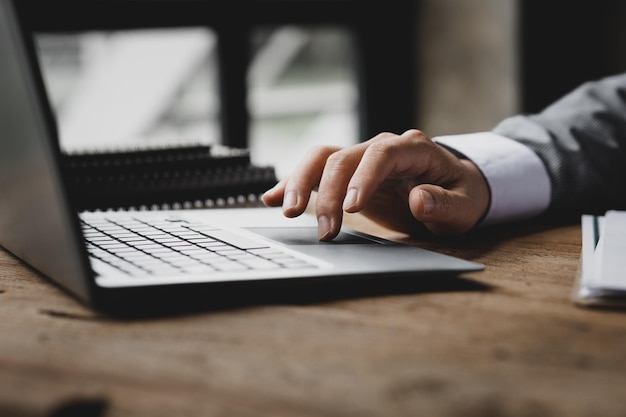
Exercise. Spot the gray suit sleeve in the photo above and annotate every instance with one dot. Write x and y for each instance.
(582, 140)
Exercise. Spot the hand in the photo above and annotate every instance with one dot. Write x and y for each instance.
(404, 182)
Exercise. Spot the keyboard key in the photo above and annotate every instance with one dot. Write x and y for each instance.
(138, 248)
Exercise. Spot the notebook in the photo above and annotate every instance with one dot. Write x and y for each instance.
(182, 253)
(601, 277)
(163, 177)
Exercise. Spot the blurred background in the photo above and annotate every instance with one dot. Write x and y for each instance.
(475, 63)
(115, 90)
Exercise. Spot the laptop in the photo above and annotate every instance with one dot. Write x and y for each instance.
(126, 260)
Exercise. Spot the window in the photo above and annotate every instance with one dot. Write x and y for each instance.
(346, 69)
(301, 92)
(132, 88)
(150, 87)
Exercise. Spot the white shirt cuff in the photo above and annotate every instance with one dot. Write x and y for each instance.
(518, 179)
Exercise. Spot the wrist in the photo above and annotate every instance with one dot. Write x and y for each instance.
(518, 182)
(478, 191)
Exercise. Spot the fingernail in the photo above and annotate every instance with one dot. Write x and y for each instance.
(290, 200)
(428, 202)
(323, 227)
(351, 198)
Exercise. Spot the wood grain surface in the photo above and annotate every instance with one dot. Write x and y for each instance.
(503, 342)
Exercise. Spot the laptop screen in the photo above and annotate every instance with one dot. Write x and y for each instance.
(36, 221)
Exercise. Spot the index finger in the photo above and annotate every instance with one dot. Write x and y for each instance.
(297, 188)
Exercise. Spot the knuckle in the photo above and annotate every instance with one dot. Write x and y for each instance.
(343, 157)
(327, 206)
(385, 147)
(318, 151)
(335, 160)
(337, 167)
(417, 135)
(380, 148)
(383, 136)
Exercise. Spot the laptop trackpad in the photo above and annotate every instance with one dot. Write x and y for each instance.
(307, 236)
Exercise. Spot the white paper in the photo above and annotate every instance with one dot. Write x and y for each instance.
(601, 279)
(612, 275)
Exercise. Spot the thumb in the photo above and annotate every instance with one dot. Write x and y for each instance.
(441, 210)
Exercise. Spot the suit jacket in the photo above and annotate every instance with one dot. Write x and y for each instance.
(581, 138)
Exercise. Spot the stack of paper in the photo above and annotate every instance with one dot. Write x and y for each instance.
(601, 279)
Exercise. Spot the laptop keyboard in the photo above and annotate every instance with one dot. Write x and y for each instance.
(166, 247)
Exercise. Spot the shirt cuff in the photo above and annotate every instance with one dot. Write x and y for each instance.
(519, 182)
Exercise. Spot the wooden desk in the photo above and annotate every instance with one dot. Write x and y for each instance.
(503, 342)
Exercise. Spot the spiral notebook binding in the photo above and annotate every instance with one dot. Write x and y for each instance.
(189, 177)
(229, 202)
